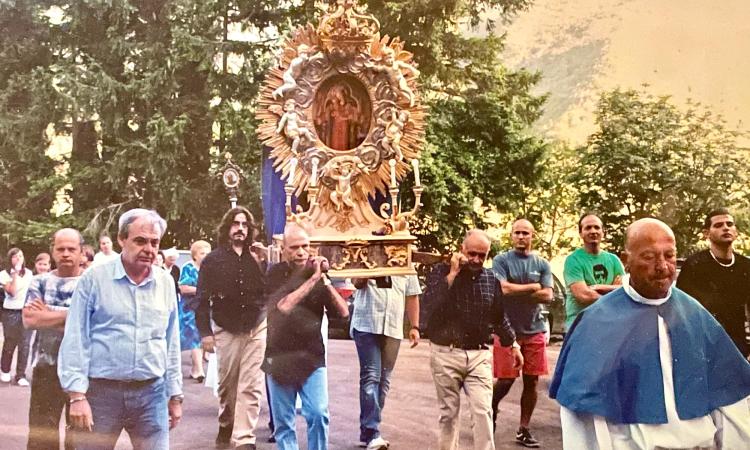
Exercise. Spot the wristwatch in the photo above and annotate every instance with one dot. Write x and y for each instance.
(418, 330)
(177, 398)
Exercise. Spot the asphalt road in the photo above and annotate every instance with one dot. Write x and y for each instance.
(409, 418)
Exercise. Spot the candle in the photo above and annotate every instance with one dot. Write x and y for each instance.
(415, 164)
(292, 170)
(392, 163)
(314, 174)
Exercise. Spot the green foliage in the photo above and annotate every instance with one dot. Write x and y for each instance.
(154, 92)
(649, 158)
(27, 105)
(479, 142)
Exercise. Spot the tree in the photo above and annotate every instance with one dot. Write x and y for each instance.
(649, 158)
(28, 105)
(154, 92)
(479, 138)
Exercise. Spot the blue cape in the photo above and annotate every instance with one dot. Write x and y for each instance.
(609, 363)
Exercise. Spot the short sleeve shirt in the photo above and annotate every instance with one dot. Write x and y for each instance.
(381, 310)
(56, 292)
(22, 285)
(525, 314)
(581, 265)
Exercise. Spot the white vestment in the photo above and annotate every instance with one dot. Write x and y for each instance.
(726, 428)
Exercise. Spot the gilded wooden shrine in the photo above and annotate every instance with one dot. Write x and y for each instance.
(343, 117)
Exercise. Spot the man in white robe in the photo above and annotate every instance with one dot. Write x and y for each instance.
(647, 367)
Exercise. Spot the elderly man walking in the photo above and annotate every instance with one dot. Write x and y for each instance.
(299, 290)
(119, 360)
(646, 367)
(467, 304)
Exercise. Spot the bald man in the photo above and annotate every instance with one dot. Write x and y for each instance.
(647, 367)
(467, 305)
(46, 310)
(525, 279)
(299, 290)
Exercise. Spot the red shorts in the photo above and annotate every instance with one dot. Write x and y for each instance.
(533, 349)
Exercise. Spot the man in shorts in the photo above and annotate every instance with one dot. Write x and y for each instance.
(526, 281)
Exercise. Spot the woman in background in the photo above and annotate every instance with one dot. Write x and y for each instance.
(15, 280)
(190, 338)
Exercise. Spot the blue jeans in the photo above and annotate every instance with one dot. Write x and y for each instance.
(140, 409)
(377, 357)
(314, 396)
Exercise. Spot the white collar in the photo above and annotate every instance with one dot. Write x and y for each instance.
(638, 298)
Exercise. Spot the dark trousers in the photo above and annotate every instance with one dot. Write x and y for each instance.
(15, 336)
(45, 407)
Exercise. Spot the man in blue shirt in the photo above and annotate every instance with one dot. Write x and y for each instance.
(119, 360)
(526, 281)
(377, 329)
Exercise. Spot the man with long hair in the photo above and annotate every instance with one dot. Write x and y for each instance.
(230, 291)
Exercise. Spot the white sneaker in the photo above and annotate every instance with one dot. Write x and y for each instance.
(5, 377)
(378, 444)
(23, 382)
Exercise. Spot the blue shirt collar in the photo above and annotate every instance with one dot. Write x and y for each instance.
(119, 273)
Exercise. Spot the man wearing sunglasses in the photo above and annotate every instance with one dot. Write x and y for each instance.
(468, 309)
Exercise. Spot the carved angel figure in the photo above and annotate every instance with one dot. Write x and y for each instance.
(393, 132)
(393, 70)
(342, 170)
(294, 71)
(290, 123)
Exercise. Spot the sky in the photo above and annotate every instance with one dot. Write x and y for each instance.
(689, 49)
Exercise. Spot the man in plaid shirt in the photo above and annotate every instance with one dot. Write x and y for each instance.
(467, 310)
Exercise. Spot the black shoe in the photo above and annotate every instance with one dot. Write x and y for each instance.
(199, 379)
(224, 437)
(524, 437)
(271, 439)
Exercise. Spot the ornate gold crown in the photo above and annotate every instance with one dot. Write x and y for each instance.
(348, 29)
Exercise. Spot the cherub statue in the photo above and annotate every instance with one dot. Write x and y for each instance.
(393, 132)
(291, 123)
(392, 67)
(294, 71)
(342, 170)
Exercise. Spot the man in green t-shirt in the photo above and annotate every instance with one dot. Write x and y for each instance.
(590, 272)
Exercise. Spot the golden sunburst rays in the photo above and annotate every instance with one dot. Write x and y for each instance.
(299, 78)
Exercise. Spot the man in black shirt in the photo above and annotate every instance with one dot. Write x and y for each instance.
(467, 310)
(230, 288)
(719, 277)
(295, 356)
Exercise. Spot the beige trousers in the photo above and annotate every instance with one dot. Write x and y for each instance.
(471, 370)
(240, 380)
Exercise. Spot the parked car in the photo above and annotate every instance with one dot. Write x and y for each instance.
(554, 312)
